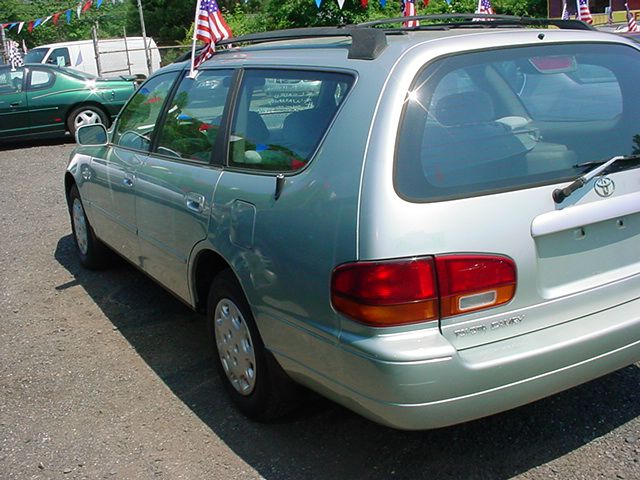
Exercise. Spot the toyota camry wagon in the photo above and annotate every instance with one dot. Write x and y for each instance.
(427, 225)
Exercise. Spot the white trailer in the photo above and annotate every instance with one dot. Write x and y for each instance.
(111, 58)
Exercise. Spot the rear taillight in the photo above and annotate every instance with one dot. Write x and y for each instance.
(471, 282)
(386, 293)
(400, 292)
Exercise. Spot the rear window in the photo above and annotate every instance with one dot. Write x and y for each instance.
(498, 120)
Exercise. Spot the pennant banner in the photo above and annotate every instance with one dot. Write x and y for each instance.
(80, 8)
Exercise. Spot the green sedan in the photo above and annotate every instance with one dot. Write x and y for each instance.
(41, 100)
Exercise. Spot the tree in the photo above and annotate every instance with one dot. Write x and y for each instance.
(109, 17)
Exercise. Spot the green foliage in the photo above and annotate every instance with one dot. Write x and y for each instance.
(170, 21)
(166, 21)
(110, 18)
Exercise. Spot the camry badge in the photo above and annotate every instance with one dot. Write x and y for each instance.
(604, 187)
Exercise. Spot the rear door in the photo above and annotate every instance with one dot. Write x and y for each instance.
(175, 184)
(486, 138)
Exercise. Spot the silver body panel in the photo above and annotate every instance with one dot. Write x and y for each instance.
(574, 316)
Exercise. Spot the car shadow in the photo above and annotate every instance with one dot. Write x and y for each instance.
(40, 142)
(326, 441)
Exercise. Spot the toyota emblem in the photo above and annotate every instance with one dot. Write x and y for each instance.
(604, 187)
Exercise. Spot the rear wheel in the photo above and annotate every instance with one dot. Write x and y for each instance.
(253, 379)
(86, 115)
(92, 252)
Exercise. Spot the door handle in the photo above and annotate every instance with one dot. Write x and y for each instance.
(127, 182)
(194, 202)
(15, 104)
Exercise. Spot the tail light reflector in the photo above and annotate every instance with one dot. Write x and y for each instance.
(405, 291)
(386, 293)
(472, 282)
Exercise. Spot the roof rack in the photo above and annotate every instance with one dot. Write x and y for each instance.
(366, 43)
(488, 21)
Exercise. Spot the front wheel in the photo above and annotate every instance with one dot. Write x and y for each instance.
(253, 379)
(92, 252)
(86, 115)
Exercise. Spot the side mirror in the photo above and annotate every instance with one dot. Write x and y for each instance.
(94, 135)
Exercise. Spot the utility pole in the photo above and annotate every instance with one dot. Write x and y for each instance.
(96, 47)
(144, 37)
(3, 44)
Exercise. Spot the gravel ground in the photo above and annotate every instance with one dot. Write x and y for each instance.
(105, 375)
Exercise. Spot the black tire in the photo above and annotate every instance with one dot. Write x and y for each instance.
(86, 115)
(92, 252)
(271, 393)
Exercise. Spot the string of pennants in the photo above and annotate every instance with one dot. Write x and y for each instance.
(67, 14)
(365, 3)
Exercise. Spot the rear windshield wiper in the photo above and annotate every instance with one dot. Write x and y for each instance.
(559, 194)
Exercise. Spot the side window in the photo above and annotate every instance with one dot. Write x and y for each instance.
(41, 79)
(194, 116)
(11, 81)
(59, 57)
(138, 119)
(281, 116)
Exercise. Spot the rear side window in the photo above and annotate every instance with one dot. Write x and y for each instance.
(137, 121)
(194, 116)
(281, 116)
(41, 79)
(498, 120)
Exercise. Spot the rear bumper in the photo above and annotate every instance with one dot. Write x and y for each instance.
(452, 386)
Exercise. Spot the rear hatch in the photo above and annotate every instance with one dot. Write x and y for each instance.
(486, 138)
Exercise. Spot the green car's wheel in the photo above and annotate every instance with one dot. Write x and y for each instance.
(92, 252)
(256, 383)
(86, 115)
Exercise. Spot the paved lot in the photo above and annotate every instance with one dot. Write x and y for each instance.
(105, 375)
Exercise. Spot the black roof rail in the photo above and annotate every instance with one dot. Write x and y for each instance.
(366, 43)
(488, 21)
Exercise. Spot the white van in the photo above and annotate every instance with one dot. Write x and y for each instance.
(118, 56)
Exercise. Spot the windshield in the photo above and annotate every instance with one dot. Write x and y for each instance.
(498, 120)
(35, 55)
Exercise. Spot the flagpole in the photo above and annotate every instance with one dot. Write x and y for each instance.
(193, 43)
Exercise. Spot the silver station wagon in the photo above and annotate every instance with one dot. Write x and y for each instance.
(427, 225)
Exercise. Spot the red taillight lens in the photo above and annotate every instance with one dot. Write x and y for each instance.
(415, 290)
(386, 293)
(472, 282)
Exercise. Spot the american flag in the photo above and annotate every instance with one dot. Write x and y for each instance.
(15, 59)
(409, 10)
(632, 26)
(210, 28)
(583, 11)
(484, 6)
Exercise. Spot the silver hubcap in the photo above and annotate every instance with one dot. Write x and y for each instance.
(86, 117)
(80, 226)
(235, 346)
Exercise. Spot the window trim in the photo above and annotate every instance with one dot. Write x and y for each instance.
(43, 86)
(222, 132)
(116, 123)
(231, 117)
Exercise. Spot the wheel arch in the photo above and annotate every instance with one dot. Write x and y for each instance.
(69, 182)
(206, 265)
(88, 103)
